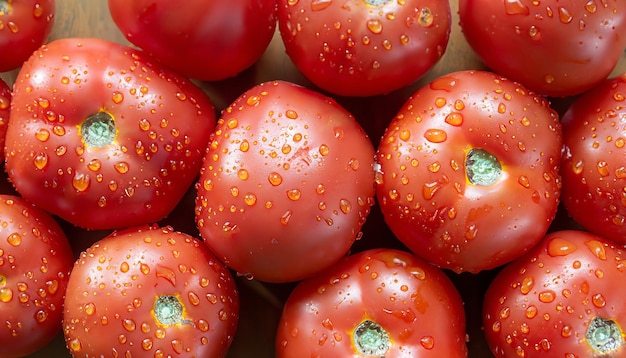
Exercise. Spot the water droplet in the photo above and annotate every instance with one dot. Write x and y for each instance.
(603, 168)
(6, 294)
(547, 296)
(294, 194)
(564, 15)
(317, 5)
(14, 239)
(353, 164)
(40, 161)
(121, 167)
(232, 123)
(242, 174)
(598, 300)
(284, 219)
(81, 182)
(89, 308)
(428, 342)
(375, 26)
(430, 189)
(275, 178)
(436, 135)
(454, 119)
(523, 181)
(117, 97)
(75, 345)
(527, 284)
(250, 199)
(597, 248)
(253, 100)
(549, 79)
(425, 17)
(578, 167)
(535, 34)
(531, 312)
(42, 134)
(515, 7)
(345, 206)
(146, 344)
(560, 247)
(181, 96)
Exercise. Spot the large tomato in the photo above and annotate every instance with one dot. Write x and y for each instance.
(5, 110)
(35, 263)
(594, 160)
(377, 303)
(207, 40)
(564, 298)
(364, 47)
(553, 47)
(102, 136)
(286, 184)
(24, 26)
(469, 171)
(150, 291)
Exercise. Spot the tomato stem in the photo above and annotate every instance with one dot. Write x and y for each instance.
(482, 167)
(371, 339)
(377, 2)
(98, 130)
(168, 310)
(5, 7)
(604, 336)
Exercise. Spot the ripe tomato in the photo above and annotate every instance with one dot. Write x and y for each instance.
(150, 291)
(377, 303)
(469, 171)
(5, 110)
(286, 184)
(564, 298)
(102, 136)
(24, 26)
(207, 40)
(35, 263)
(594, 163)
(551, 47)
(363, 48)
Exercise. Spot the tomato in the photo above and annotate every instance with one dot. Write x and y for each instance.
(469, 171)
(594, 164)
(286, 184)
(364, 47)
(35, 263)
(553, 48)
(207, 40)
(564, 298)
(377, 303)
(24, 26)
(102, 136)
(5, 110)
(150, 291)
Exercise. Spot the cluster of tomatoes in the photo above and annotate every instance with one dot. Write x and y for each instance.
(136, 211)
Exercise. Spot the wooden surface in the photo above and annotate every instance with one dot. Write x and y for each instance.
(261, 303)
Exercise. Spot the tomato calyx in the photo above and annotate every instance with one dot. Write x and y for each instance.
(377, 2)
(98, 130)
(5, 7)
(604, 336)
(481, 167)
(371, 339)
(168, 311)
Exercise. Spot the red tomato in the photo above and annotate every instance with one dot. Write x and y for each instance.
(24, 26)
(469, 171)
(102, 136)
(363, 48)
(551, 47)
(594, 163)
(35, 263)
(286, 184)
(377, 303)
(207, 40)
(5, 110)
(150, 291)
(564, 298)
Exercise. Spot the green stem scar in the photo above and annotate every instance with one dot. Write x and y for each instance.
(482, 167)
(604, 336)
(371, 339)
(377, 2)
(168, 310)
(98, 130)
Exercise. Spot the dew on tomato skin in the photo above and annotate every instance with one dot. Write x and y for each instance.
(547, 296)
(597, 249)
(602, 168)
(436, 135)
(560, 247)
(564, 15)
(6, 294)
(14, 239)
(454, 119)
(117, 97)
(40, 160)
(75, 345)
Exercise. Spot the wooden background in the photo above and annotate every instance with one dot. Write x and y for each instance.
(261, 303)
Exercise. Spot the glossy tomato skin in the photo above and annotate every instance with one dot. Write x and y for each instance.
(594, 163)
(26, 26)
(35, 263)
(364, 48)
(5, 110)
(424, 187)
(286, 184)
(119, 285)
(206, 40)
(553, 48)
(103, 136)
(415, 303)
(542, 304)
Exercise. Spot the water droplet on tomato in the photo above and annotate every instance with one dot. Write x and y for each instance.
(547, 296)
(117, 97)
(121, 167)
(527, 284)
(560, 247)
(284, 219)
(602, 168)
(250, 199)
(591, 6)
(89, 308)
(515, 7)
(42, 134)
(598, 300)
(597, 248)
(177, 346)
(14, 239)
(531, 312)
(549, 79)
(6, 294)
(375, 26)
(535, 34)
(253, 100)
(345, 206)
(523, 181)
(166, 273)
(454, 119)
(75, 345)
(81, 182)
(436, 135)
(40, 161)
(242, 174)
(294, 194)
(353, 164)
(564, 15)
(425, 17)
